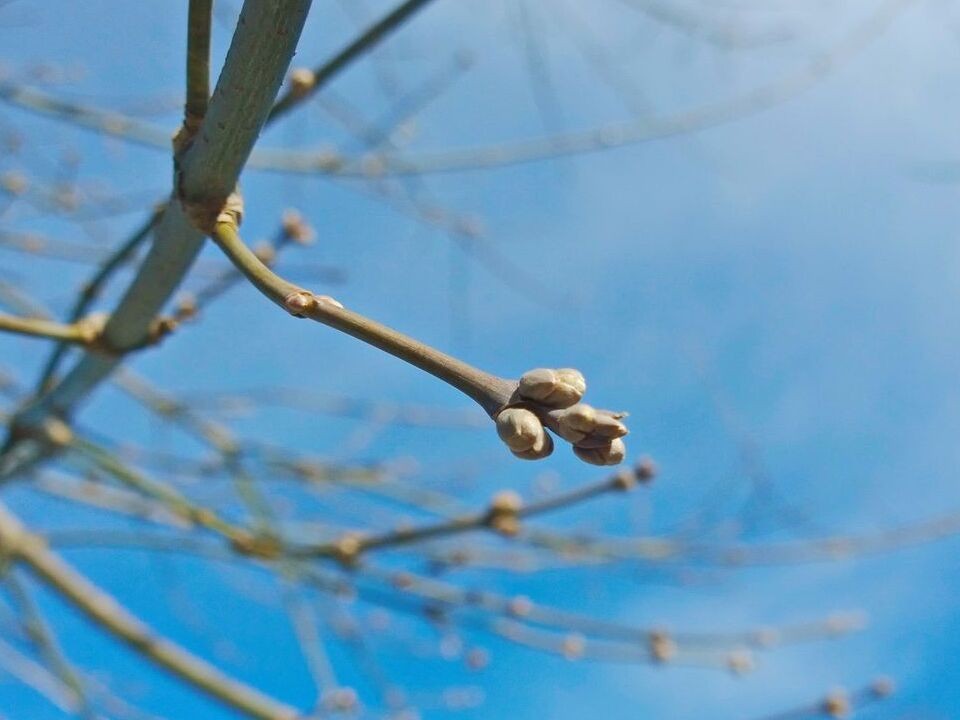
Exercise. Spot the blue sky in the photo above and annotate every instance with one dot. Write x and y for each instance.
(785, 282)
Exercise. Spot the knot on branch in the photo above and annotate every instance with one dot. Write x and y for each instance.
(206, 213)
(93, 336)
(641, 473)
(301, 302)
(550, 398)
(663, 648)
(503, 516)
(837, 704)
(262, 547)
(347, 549)
(294, 227)
(53, 432)
(302, 81)
(183, 138)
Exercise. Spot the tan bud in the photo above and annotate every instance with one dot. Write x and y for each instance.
(520, 606)
(837, 704)
(609, 425)
(296, 228)
(577, 422)
(740, 662)
(506, 501)
(56, 432)
(347, 549)
(624, 481)
(186, 307)
(611, 454)
(555, 388)
(573, 646)
(502, 515)
(662, 647)
(302, 81)
(541, 449)
(520, 429)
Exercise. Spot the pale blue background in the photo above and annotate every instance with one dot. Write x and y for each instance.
(785, 282)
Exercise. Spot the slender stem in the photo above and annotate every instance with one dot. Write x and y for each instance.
(489, 391)
(74, 334)
(364, 42)
(198, 62)
(462, 523)
(106, 612)
(92, 289)
(44, 639)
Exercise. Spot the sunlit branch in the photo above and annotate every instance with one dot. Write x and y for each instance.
(43, 638)
(79, 333)
(504, 516)
(839, 703)
(207, 173)
(600, 444)
(105, 612)
(198, 64)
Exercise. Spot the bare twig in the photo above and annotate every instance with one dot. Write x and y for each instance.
(104, 611)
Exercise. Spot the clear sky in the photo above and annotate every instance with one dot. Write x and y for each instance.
(773, 298)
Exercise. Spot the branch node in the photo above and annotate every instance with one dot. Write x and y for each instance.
(206, 213)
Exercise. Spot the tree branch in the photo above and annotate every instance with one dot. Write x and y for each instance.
(302, 88)
(207, 170)
(106, 612)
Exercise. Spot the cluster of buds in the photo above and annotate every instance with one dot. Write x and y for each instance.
(547, 398)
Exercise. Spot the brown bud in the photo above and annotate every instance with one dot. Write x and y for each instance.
(882, 687)
(520, 606)
(299, 302)
(662, 646)
(296, 228)
(645, 469)
(837, 704)
(347, 549)
(186, 307)
(477, 659)
(624, 481)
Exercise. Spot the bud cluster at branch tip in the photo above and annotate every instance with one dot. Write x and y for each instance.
(551, 398)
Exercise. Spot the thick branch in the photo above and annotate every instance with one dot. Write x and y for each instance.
(207, 172)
